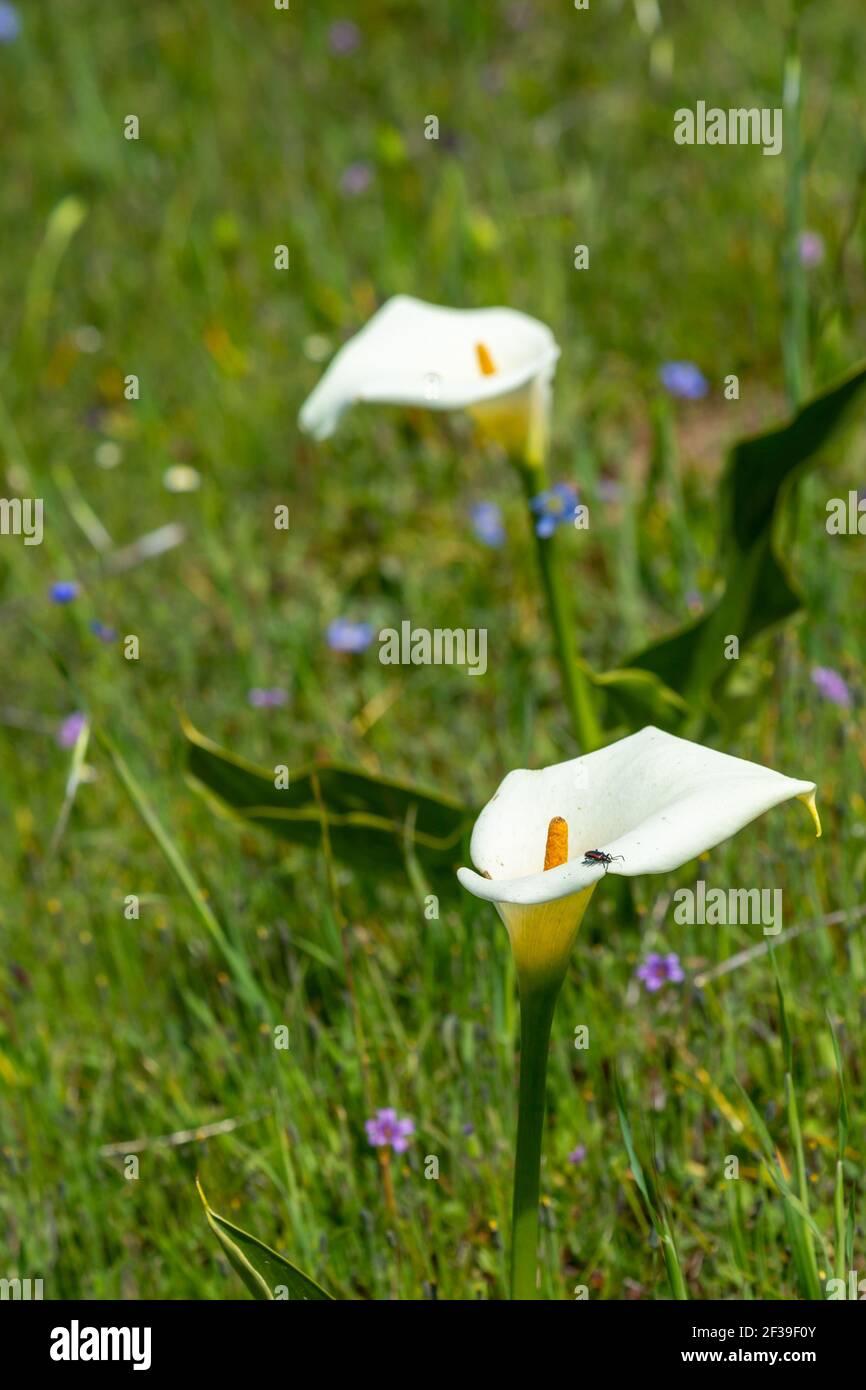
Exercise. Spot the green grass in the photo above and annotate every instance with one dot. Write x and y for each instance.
(116, 1030)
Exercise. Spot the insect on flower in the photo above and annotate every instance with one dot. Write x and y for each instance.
(598, 856)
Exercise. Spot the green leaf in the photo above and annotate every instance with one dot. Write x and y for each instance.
(774, 1168)
(787, 1043)
(641, 697)
(63, 222)
(370, 819)
(652, 1200)
(760, 590)
(244, 980)
(842, 1122)
(262, 1269)
(633, 1160)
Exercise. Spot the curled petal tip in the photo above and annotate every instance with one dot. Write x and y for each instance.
(809, 799)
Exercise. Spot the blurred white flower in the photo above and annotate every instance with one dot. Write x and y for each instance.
(496, 363)
(181, 478)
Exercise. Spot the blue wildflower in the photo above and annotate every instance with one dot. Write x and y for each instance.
(10, 24)
(345, 636)
(684, 380)
(64, 591)
(555, 507)
(487, 523)
(100, 630)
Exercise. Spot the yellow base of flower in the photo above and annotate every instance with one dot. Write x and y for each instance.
(542, 935)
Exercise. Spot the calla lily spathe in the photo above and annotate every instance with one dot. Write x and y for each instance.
(653, 799)
(496, 363)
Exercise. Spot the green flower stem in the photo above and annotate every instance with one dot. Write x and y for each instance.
(537, 1003)
(796, 341)
(581, 705)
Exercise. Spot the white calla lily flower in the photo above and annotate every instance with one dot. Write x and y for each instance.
(647, 804)
(496, 363)
(651, 801)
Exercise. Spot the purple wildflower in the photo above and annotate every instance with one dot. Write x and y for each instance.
(345, 636)
(356, 179)
(832, 686)
(67, 734)
(609, 489)
(344, 37)
(684, 380)
(660, 970)
(104, 633)
(810, 249)
(261, 698)
(64, 591)
(577, 1154)
(10, 24)
(385, 1131)
(487, 523)
(555, 507)
(519, 16)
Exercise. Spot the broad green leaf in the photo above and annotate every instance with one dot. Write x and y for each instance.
(641, 697)
(262, 1269)
(760, 589)
(368, 818)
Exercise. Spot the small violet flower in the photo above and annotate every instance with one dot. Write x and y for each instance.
(555, 507)
(577, 1154)
(660, 970)
(64, 591)
(810, 249)
(267, 699)
(345, 636)
(684, 380)
(487, 524)
(832, 686)
(356, 179)
(344, 37)
(609, 489)
(67, 734)
(100, 630)
(386, 1131)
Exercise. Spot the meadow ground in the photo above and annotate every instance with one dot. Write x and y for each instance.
(155, 257)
